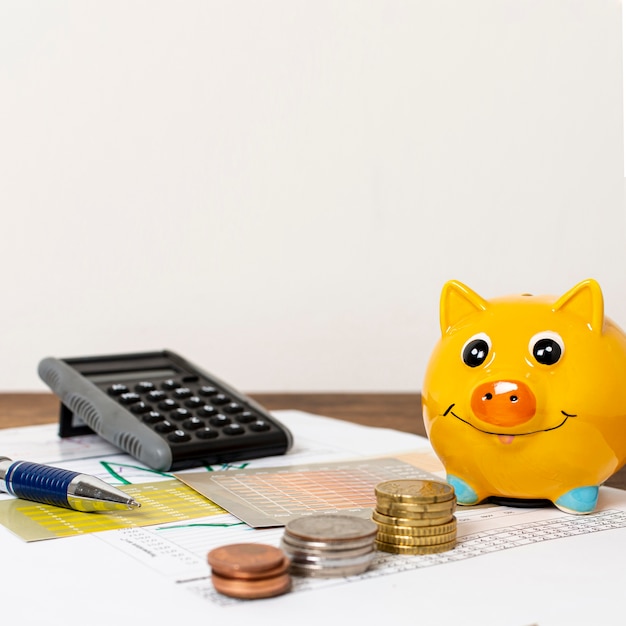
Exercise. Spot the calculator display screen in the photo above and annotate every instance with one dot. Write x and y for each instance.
(131, 375)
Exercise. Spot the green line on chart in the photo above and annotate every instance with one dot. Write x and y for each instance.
(226, 525)
(109, 468)
(227, 466)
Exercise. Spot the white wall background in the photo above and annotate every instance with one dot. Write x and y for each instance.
(278, 190)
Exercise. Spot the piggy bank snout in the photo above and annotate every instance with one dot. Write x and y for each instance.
(504, 402)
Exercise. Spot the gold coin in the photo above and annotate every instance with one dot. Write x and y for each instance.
(395, 549)
(415, 491)
(398, 509)
(381, 518)
(429, 519)
(422, 507)
(417, 531)
(411, 540)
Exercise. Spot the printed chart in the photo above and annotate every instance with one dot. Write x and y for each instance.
(161, 502)
(265, 497)
(179, 551)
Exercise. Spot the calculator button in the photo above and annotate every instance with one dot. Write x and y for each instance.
(180, 414)
(165, 427)
(156, 395)
(207, 410)
(207, 433)
(220, 399)
(168, 405)
(233, 429)
(182, 392)
(194, 402)
(246, 417)
(193, 423)
(259, 426)
(170, 384)
(233, 407)
(140, 407)
(207, 390)
(179, 436)
(129, 398)
(153, 417)
(117, 389)
(219, 420)
(144, 386)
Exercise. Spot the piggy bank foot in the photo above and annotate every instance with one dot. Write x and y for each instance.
(578, 501)
(465, 495)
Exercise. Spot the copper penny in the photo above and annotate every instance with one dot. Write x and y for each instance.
(239, 559)
(252, 589)
(243, 575)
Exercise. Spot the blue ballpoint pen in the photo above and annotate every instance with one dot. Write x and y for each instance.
(61, 487)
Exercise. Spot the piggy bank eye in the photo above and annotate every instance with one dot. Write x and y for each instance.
(476, 349)
(547, 347)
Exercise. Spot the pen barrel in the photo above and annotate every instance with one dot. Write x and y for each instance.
(39, 483)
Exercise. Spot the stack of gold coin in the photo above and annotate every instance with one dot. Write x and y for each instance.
(415, 516)
(329, 545)
(249, 570)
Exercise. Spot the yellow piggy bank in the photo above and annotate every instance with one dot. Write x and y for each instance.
(525, 396)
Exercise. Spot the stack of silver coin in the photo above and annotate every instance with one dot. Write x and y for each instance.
(329, 545)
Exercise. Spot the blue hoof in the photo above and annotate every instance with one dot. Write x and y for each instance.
(580, 500)
(464, 493)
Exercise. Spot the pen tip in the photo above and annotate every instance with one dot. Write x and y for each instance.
(133, 504)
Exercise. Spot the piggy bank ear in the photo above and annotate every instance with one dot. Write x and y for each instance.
(458, 301)
(584, 300)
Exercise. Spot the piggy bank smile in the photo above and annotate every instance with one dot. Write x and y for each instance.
(503, 418)
(523, 399)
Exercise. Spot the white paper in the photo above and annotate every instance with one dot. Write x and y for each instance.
(512, 566)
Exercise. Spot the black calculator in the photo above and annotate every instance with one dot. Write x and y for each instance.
(161, 409)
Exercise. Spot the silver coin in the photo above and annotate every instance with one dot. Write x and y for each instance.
(346, 544)
(315, 571)
(324, 562)
(332, 527)
(335, 553)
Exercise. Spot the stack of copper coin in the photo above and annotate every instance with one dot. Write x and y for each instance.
(249, 570)
(415, 516)
(329, 545)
